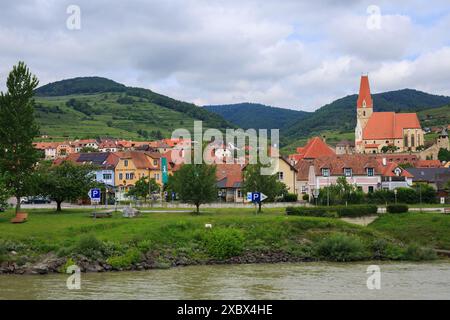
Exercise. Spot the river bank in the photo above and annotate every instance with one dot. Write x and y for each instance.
(50, 242)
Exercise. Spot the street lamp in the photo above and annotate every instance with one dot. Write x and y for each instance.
(395, 195)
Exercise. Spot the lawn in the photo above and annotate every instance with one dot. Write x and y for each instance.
(427, 228)
(234, 233)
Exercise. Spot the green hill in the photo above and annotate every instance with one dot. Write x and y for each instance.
(93, 106)
(257, 116)
(340, 115)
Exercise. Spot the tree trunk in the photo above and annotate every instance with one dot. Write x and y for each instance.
(58, 206)
(18, 203)
(198, 207)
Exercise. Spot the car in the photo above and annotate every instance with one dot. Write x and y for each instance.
(35, 200)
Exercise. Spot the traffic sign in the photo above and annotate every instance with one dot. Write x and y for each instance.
(256, 197)
(95, 194)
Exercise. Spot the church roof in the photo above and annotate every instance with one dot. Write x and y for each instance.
(389, 125)
(364, 93)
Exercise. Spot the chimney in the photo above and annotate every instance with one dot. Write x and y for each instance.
(384, 162)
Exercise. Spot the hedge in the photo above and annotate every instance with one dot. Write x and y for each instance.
(333, 211)
(357, 210)
(290, 197)
(397, 208)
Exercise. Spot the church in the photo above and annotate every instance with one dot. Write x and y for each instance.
(400, 132)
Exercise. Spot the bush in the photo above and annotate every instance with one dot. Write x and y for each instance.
(290, 197)
(416, 253)
(407, 195)
(131, 257)
(306, 197)
(224, 243)
(333, 211)
(340, 247)
(357, 210)
(397, 208)
(327, 212)
(90, 246)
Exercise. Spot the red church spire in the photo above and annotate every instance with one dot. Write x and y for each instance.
(364, 93)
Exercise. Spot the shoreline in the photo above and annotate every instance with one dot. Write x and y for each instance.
(54, 265)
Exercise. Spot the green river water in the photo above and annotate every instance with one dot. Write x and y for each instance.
(257, 281)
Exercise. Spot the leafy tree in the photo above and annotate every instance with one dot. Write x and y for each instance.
(143, 188)
(66, 181)
(444, 154)
(4, 193)
(88, 149)
(17, 130)
(425, 192)
(341, 192)
(195, 183)
(254, 181)
(389, 148)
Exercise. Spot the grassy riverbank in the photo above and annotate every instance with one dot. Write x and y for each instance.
(237, 236)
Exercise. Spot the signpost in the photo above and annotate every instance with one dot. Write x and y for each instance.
(256, 198)
(95, 195)
(164, 175)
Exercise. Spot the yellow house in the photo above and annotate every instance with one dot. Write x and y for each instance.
(287, 174)
(133, 165)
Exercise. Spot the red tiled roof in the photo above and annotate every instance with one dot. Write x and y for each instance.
(428, 164)
(389, 125)
(231, 172)
(364, 93)
(315, 148)
(388, 169)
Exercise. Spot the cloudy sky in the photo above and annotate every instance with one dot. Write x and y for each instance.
(287, 53)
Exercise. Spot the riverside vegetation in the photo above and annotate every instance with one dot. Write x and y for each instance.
(50, 242)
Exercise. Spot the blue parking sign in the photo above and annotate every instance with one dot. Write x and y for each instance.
(95, 194)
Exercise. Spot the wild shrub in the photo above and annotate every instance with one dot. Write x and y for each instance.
(224, 243)
(340, 247)
(397, 208)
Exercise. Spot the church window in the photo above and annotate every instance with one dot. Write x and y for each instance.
(364, 113)
(406, 140)
(412, 140)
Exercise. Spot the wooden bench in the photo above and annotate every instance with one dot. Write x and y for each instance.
(20, 217)
(447, 210)
(102, 214)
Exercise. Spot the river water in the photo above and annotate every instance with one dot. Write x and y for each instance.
(257, 281)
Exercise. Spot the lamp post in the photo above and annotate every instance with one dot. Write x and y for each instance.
(395, 195)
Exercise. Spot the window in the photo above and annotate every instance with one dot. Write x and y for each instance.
(280, 175)
(304, 189)
(348, 172)
(370, 172)
(239, 193)
(156, 176)
(127, 176)
(120, 176)
(412, 140)
(326, 172)
(107, 176)
(370, 189)
(155, 162)
(405, 140)
(125, 163)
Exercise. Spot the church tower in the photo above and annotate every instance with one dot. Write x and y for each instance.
(364, 109)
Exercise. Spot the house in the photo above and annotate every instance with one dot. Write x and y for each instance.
(106, 145)
(345, 147)
(365, 172)
(48, 148)
(133, 165)
(79, 145)
(436, 177)
(316, 147)
(63, 149)
(442, 142)
(375, 130)
(229, 182)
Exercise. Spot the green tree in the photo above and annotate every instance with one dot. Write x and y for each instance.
(66, 181)
(254, 181)
(4, 193)
(17, 131)
(425, 193)
(143, 188)
(389, 148)
(195, 183)
(444, 154)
